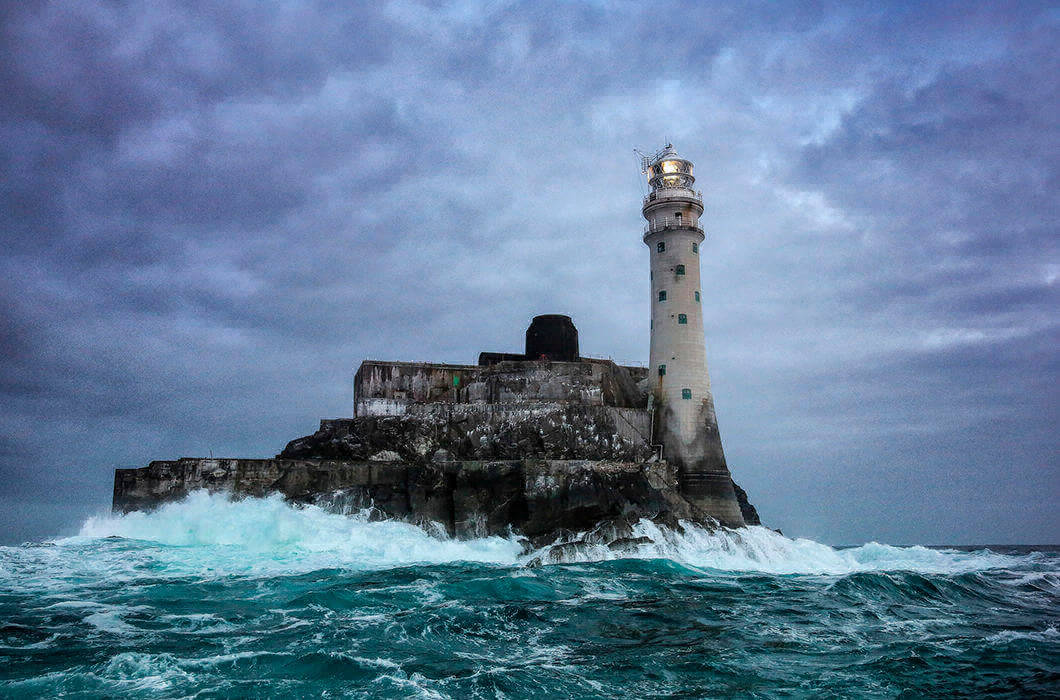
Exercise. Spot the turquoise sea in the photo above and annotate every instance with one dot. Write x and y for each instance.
(212, 598)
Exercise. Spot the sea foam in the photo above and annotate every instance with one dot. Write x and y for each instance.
(270, 535)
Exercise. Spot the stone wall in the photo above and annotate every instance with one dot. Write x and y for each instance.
(411, 381)
(591, 382)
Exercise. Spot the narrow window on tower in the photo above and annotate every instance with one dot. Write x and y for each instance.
(697, 296)
(686, 393)
(662, 295)
(682, 318)
(680, 269)
(661, 247)
(662, 370)
(651, 275)
(695, 248)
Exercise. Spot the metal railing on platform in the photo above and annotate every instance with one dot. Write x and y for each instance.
(624, 363)
(673, 193)
(671, 223)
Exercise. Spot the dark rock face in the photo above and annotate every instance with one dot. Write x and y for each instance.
(545, 500)
(484, 432)
(298, 480)
(749, 512)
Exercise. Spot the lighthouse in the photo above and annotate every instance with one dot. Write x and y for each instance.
(685, 419)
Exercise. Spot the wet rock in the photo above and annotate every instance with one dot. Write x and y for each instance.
(546, 501)
(628, 545)
(483, 432)
(750, 514)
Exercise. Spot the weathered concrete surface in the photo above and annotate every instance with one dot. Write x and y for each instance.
(700, 461)
(593, 382)
(544, 500)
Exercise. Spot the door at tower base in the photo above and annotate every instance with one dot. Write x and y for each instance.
(700, 461)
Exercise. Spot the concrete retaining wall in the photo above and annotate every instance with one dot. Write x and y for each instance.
(590, 382)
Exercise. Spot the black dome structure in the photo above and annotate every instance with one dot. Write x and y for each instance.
(552, 337)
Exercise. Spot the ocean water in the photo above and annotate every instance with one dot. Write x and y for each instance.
(212, 598)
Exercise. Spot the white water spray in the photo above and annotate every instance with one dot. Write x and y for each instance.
(259, 535)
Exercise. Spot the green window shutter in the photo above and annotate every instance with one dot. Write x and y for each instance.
(697, 296)
(662, 295)
(680, 269)
(686, 393)
(695, 248)
(662, 370)
(682, 318)
(661, 247)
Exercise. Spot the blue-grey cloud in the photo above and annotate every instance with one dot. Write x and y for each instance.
(212, 213)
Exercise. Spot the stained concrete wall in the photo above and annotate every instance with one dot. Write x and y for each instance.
(589, 382)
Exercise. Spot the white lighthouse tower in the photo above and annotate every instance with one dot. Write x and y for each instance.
(685, 419)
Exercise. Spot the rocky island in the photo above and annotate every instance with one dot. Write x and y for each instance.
(544, 447)
(546, 443)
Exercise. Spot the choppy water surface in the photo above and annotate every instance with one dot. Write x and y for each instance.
(257, 598)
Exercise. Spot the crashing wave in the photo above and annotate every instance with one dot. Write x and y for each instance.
(271, 534)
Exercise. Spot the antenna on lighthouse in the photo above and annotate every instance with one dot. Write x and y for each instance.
(648, 160)
(645, 159)
(645, 163)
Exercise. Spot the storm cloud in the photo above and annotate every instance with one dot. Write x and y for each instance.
(212, 212)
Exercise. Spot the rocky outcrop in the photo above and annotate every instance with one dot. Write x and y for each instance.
(749, 512)
(484, 432)
(568, 451)
(560, 452)
(547, 501)
(547, 471)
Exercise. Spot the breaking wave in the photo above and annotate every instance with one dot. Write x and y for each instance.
(270, 534)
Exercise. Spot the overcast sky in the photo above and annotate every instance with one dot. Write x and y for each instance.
(212, 212)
